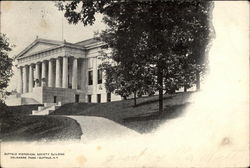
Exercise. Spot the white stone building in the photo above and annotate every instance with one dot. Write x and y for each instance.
(58, 71)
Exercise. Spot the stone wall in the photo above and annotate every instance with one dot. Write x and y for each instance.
(62, 95)
(36, 94)
(46, 95)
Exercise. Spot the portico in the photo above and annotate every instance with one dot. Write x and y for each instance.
(51, 71)
(61, 72)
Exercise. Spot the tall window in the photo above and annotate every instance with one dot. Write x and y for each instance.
(89, 98)
(98, 98)
(99, 76)
(108, 97)
(90, 77)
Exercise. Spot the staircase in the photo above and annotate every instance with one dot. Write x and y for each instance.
(46, 109)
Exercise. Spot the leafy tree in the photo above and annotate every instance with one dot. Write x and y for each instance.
(131, 73)
(190, 43)
(170, 35)
(136, 81)
(6, 65)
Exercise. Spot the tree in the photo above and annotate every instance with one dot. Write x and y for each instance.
(167, 30)
(136, 81)
(131, 73)
(6, 64)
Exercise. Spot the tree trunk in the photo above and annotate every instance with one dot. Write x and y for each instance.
(197, 80)
(173, 92)
(135, 99)
(160, 82)
(185, 88)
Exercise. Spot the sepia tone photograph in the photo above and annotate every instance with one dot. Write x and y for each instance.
(124, 83)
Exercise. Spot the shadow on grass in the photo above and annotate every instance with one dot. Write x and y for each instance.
(170, 112)
(153, 101)
(23, 109)
(39, 128)
(150, 121)
(18, 125)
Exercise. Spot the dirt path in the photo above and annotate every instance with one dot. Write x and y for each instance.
(99, 128)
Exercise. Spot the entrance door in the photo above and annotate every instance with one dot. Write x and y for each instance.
(77, 98)
(98, 98)
(108, 97)
(54, 99)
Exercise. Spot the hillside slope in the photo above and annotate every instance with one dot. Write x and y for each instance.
(142, 118)
(17, 124)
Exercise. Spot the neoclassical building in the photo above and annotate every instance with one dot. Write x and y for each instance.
(58, 71)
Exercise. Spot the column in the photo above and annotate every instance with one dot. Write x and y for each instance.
(51, 74)
(20, 79)
(65, 73)
(58, 73)
(25, 79)
(38, 75)
(95, 75)
(84, 72)
(43, 80)
(31, 78)
(84, 75)
(74, 74)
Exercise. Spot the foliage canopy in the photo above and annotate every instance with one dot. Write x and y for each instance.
(6, 64)
(161, 42)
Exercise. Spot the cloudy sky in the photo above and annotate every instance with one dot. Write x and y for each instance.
(24, 20)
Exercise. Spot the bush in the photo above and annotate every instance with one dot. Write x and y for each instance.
(4, 110)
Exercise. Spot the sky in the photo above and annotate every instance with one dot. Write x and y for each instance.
(22, 21)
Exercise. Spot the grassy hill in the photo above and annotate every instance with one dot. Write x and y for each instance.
(16, 124)
(142, 118)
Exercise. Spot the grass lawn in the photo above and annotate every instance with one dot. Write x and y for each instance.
(17, 124)
(142, 118)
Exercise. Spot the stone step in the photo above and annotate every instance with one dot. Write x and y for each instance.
(47, 108)
(35, 112)
(40, 108)
(49, 104)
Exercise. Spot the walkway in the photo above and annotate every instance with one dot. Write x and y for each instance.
(99, 128)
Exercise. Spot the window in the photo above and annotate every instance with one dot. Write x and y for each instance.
(90, 77)
(55, 99)
(89, 98)
(77, 98)
(108, 97)
(99, 76)
(98, 98)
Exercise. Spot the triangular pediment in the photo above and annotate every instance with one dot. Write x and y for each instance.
(38, 45)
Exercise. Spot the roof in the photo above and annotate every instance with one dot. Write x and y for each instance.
(51, 44)
(87, 42)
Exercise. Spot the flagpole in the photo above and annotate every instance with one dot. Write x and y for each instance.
(62, 28)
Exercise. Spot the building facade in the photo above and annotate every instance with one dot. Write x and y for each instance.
(58, 71)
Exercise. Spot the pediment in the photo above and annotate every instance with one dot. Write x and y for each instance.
(38, 45)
